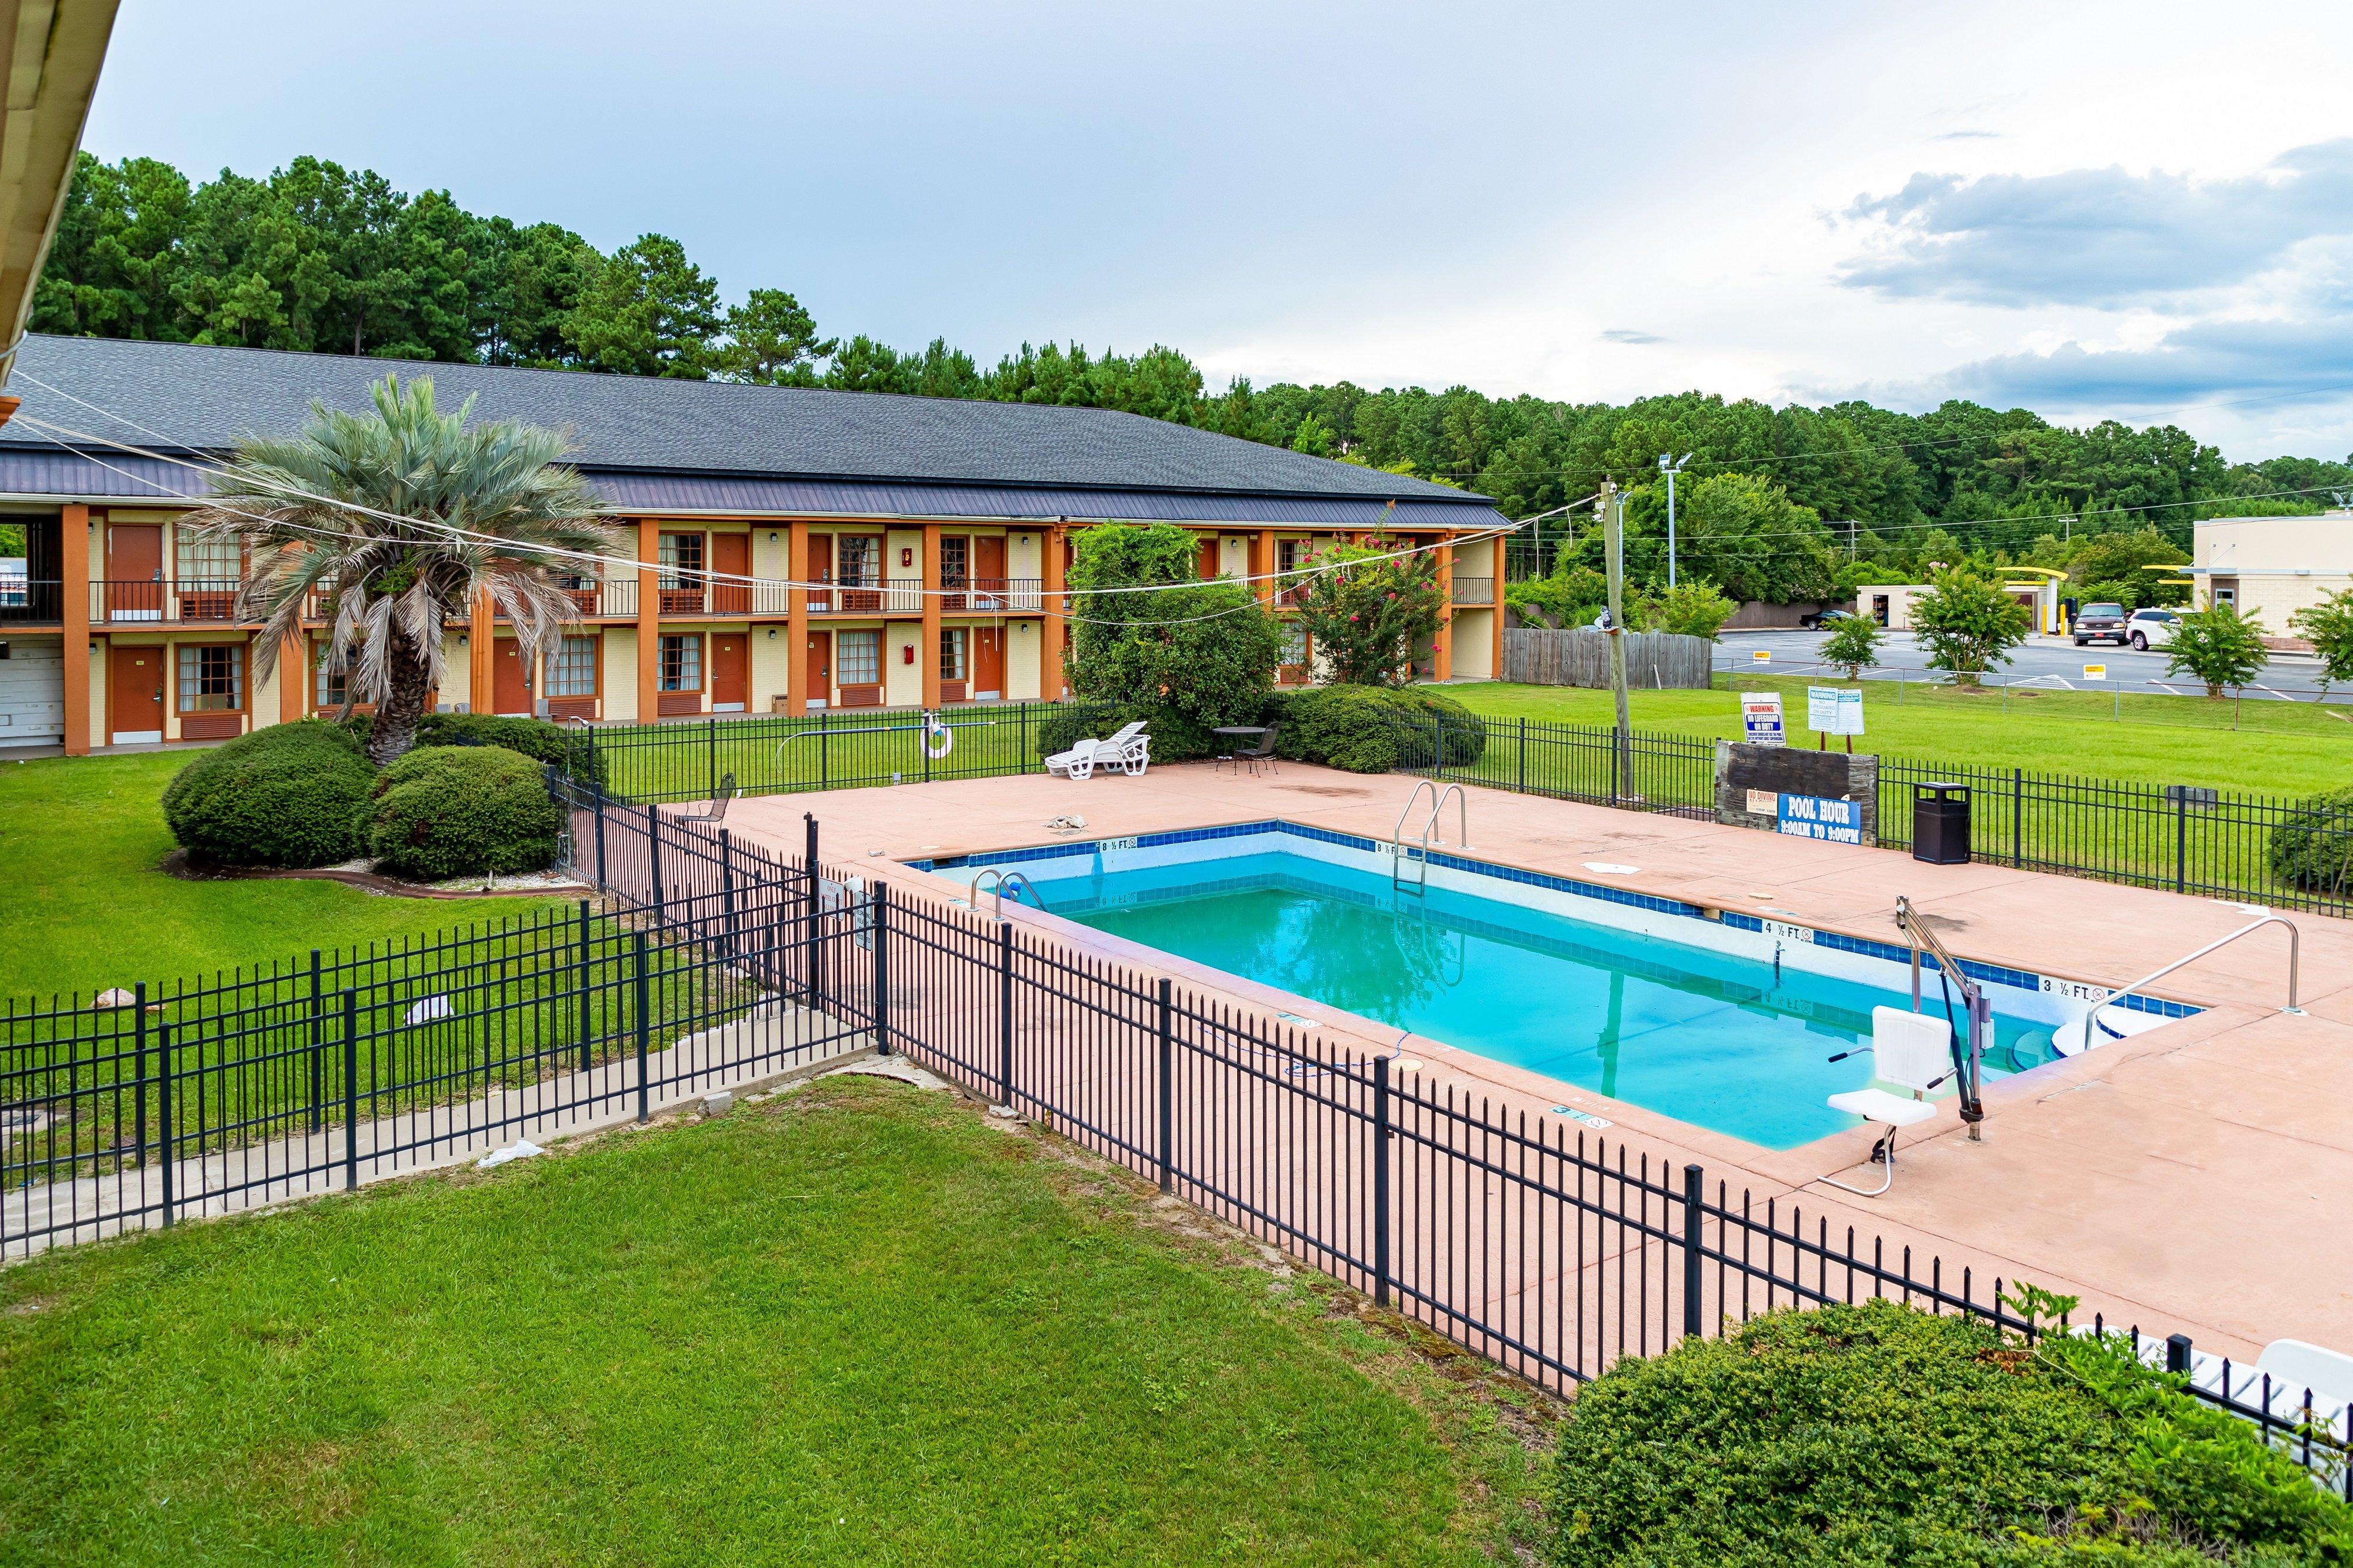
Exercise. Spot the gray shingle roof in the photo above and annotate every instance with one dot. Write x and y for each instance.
(199, 398)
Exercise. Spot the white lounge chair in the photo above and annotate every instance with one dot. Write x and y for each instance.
(1128, 751)
(1910, 1050)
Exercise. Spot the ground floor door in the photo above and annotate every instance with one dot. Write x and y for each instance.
(509, 678)
(32, 691)
(731, 672)
(134, 695)
(987, 663)
(821, 660)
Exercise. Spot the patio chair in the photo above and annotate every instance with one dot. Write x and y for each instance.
(1910, 1050)
(1249, 757)
(1081, 760)
(717, 810)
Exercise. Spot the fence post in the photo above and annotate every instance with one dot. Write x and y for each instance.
(823, 749)
(1524, 753)
(139, 1079)
(2177, 1353)
(881, 903)
(809, 949)
(645, 1030)
(1021, 757)
(580, 981)
(653, 858)
(2180, 839)
(712, 727)
(1693, 1236)
(317, 1046)
(727, 892)
(1438, 764)
(1380, 1181)
(1005, 1009)
(351, 1089)
(2017, 814)
(163, 1113)
(1167, 1082)
(597, 795)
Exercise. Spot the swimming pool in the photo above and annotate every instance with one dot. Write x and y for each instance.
(1718, 1018)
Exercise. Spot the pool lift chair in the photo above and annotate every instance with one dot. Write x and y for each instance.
(1919, 1052)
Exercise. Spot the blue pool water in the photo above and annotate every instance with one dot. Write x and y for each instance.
(1721, 1041)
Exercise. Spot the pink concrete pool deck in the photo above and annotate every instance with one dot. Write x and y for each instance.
(2197, 1176)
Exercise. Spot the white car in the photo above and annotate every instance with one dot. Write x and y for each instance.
(2150, 628)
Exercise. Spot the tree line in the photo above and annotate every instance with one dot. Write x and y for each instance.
(1796, 498)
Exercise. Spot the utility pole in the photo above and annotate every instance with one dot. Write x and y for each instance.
(1612, 506)
(1671, 466)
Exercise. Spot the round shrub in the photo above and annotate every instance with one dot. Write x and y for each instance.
(1372, 729)
(456, 811)
(288, 795)
(2313, 845)
(1880, 1433)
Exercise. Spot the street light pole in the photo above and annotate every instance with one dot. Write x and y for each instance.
(1671, 466)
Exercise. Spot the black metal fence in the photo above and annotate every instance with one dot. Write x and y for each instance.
(2275, 849)
(1526, 1238)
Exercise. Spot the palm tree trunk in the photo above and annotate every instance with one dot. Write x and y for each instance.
(395, 731)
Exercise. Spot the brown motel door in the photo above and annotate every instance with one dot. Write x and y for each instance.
(135, 573)
(820, 668)
(987, 663)
(134, 695)
(731, 672)
(510, 680)
(730, 557)
(820, 570)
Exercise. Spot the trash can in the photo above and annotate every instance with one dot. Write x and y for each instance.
(1941, 824)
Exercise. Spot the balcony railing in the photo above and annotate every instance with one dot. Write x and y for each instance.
(190, 601)
(31, 603)
(993, 595)
(1474, 590)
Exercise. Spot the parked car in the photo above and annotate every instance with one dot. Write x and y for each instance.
(2100, 622)
(2150, 628)
(1821, 620)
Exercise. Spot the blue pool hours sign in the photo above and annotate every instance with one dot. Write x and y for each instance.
(1760, 718)
(1834, 709)
(1819, 816)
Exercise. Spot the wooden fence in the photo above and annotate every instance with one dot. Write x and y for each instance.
(1580, 657)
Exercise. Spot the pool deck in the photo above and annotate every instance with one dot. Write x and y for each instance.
(2183, 1178)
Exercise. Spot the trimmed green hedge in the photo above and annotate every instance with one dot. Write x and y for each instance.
(565, 748)
(1375, 729)
(1879, 1433)
(290, 795)
(2312, 847)
(456, 811)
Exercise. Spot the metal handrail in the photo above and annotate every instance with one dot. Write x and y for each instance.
(1974, 1005)
(1397, 834)
(2294, 954)
(1004, 880)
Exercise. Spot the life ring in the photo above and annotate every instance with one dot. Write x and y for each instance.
(938, 738)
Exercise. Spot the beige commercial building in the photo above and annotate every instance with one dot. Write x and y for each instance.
(2271, 567)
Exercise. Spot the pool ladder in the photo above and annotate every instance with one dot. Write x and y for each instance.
(1400, 848)
(1005, 879)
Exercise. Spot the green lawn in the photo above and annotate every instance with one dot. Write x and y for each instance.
(85, 908)
(853, 1325)
(2281, 748)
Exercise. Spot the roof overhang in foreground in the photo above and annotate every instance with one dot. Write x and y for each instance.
(37, 475)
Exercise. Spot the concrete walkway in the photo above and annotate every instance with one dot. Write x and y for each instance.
(2184, 1178)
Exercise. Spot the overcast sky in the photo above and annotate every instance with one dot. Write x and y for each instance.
(2143, 211)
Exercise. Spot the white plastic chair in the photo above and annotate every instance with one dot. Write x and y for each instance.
(1081, 760)
(1910, 1050)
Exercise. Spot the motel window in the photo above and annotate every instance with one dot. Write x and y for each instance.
(681, 561)
(857, 658)
(956, 564)
(681, 663)
(331, 686)
(857, 560)
(955, 644)
(212, 679)
(1290, 554)
(571, 670)
(211, 562)
(1294, 643)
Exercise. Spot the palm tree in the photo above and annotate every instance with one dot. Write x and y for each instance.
(396, 520)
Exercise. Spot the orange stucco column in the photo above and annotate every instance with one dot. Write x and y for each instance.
(481, 667)
(796, 627)
(927, 657)
(74, 569)
(649, 620)
(1261, 565)
(1441, 653)
(1049, 656)
(294, 678)
(1496, 617)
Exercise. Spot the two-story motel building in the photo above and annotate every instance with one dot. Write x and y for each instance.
(934, 534)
